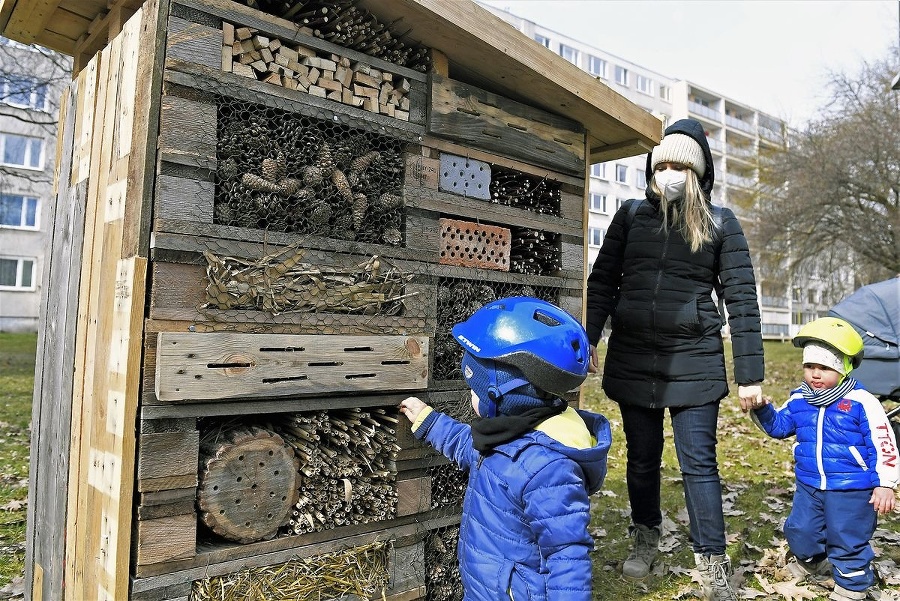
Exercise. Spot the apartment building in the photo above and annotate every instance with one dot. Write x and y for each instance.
(737, 134)
(31, 81)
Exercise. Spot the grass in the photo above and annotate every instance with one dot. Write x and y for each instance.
(757, 478)
(17, 356)
(756, 474)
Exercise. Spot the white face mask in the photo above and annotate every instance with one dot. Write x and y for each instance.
(671, 183)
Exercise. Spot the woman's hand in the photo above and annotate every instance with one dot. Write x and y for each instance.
(594, 364)
(411, 407)
(883, 499)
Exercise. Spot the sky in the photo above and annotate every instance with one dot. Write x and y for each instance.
(773, 55)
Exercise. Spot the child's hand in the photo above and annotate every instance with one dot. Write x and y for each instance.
(751, 397)
(411, 407)
(883, 499)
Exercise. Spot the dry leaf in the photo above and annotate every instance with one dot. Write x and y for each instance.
(14, 505)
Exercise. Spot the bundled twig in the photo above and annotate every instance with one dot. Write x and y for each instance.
(347, 464)
(281, 283)
(361, 571)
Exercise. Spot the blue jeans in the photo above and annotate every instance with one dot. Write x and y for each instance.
(695, 446)
(837, 524)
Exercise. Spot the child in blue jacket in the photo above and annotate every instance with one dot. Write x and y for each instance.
(846, 459)
(532, 460)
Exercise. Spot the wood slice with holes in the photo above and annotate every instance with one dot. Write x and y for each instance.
(249, 481)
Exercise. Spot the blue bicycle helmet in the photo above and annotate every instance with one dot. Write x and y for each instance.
(521, 343)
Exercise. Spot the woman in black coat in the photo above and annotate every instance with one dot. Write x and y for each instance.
(660, 262)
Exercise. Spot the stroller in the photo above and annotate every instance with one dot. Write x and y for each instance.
(874, 311)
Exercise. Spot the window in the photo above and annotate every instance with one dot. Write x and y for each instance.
(16, 273)
(621, 76)
(597, 66)
(568, 53)
(622, 174)
(545, 42)
(21, 151)
(20, 90)
(640, 178)
(643, 84)
(620, 202)
(598, 170)
(598, 203)
(595, 236)
(665, 93)
(18, 211)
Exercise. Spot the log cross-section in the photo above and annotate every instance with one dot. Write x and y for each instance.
(222, 365)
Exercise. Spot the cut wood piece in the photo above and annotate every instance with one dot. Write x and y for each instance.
(249, 481)
(221, 365)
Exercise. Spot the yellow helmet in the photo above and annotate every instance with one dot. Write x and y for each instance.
(836, 333)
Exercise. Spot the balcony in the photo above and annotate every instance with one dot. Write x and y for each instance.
(704, 111)
(771, 135)
(739, 124)
(715, 145)
(740, 181)
(742, 152)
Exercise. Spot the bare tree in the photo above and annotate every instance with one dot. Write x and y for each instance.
(833, 195)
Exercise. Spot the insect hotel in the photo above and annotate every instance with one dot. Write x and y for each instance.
(269, 214)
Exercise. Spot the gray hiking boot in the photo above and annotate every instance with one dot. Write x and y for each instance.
(816, 571)
(644, 547)
(715, 572)
(842, 594)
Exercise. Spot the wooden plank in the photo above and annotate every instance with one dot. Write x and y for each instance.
(422, 172)
(473, 208)
(166, 539)
(145, 124)
(413, 495)
(216, 408)
(175, 592)
(48, 486)
(152, 512)
(153, 498)
(219, 560)
(184, 198)
(438, 145)
(188, 127)
(194, 42)
(225, 365)
(167, 454)
(99, 524)
(473, 116)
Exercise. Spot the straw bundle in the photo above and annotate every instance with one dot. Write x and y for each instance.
(361, 571)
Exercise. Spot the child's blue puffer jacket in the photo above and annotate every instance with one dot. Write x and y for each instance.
(847, 445)
(512, 541)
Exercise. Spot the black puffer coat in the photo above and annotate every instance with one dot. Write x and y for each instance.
(666, 348)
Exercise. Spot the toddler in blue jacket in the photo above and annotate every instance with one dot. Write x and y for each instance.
(846, 459)
(532, 460)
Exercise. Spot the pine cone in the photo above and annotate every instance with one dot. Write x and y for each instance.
(273, 169)
(312, 175)
(343, 186)
(360, 204)
(255, 182)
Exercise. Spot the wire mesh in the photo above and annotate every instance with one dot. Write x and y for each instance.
(287, 172)
(457, 300)
(442, 578)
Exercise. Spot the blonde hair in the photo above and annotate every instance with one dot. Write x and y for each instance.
(691, 215)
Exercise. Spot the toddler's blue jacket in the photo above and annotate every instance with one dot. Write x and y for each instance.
(847, 445)
(526, 511)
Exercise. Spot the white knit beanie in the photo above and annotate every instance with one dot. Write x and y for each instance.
(679, 148)
(824, 355)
